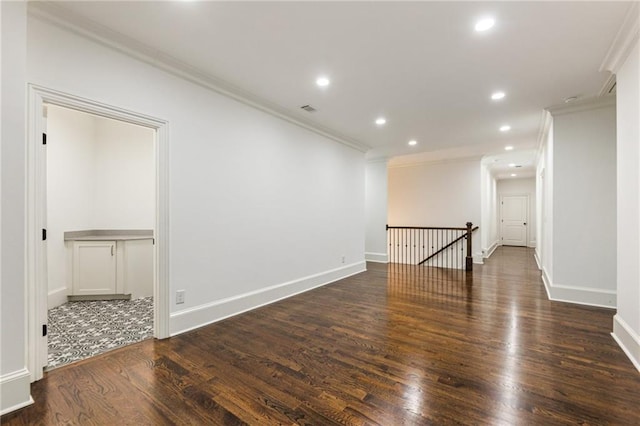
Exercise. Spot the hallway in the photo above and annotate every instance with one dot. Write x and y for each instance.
(397, 344)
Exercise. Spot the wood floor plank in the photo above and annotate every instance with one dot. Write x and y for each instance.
(395, 345)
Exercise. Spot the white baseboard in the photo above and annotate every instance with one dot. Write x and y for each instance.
(579, 295)
(15, 391)
(489, 251)
(537, 258)
(478, 259)
(376, 257)
(56, 297)
(627, 339)
(209, 313)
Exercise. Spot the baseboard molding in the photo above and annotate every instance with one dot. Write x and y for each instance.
(57, 297)
(579, 295)
(489, 251)
(537, 258)
(627, 339)
(209, 313)
(15, 391)
(376, 257)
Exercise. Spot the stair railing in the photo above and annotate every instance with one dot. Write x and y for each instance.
(442, 247)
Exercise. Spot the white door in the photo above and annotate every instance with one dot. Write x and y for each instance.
(513, 216)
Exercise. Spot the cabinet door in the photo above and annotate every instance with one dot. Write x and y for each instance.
(94, 267)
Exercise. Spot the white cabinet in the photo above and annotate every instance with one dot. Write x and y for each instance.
(94, 268)
(104, 267)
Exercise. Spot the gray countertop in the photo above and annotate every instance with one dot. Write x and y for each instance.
(109, 235)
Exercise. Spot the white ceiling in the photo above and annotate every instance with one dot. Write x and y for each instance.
(419, 64)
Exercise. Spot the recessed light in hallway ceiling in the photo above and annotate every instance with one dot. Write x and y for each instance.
(497, 96)
(322, 81)
(413, 142)
(505, 128)
(508, 148)
(484, 24)
(380, 121)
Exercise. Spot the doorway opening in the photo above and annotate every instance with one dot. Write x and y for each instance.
(97, 225)
(100, 214)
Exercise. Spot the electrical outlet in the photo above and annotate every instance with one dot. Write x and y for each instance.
(179, 297)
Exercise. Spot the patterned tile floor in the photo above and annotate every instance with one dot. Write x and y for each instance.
(79, 330)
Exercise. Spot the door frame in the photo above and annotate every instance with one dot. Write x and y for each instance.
(528, 221)
(36, 273)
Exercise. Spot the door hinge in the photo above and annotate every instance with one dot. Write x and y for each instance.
(44, 235)
(44, 139)
(44, 330)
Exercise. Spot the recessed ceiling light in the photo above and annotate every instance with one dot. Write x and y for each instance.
(505, 128)
(508, 148)
(322, 81)
(570, 99)
(413, 142)
(497, 95)
(484, 24)
(513, 175)
(380, 121)
(512, 164)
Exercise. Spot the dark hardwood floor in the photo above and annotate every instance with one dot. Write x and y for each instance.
(395, 345)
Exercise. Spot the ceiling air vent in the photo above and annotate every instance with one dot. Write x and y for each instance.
(308, 108)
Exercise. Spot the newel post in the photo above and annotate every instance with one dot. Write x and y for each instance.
(469, 259)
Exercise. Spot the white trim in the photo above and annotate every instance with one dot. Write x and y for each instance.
(583, 105)
(623, 42)
(376, 257)
(478, 259)
(14, 391)
(71, 21)
(397, 162)
(543, 132)
(546, 281)
(537, 258)
(56, 297)
(607, 86)
(199, 316)
(489, 251)
(532, 244)
(37, 293)
(578, 295)
(627, 339)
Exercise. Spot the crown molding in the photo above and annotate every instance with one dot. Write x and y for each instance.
(376, 160)
(583, 105)
(624, 41)
(543, 132)
(63, 18)
(435, 162)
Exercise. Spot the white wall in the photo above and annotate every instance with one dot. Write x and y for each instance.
(577, 179)
(14, 377)
(376, 210)
(544, 176)
(124, 173)
(584, 202)
(70, 161)
(100, 175)
(489, 213)
(444, 194)
(259, 208)
(626, 327)
(526, 186)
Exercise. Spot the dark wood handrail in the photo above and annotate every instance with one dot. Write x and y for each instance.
(446, 228)
(448, 245)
